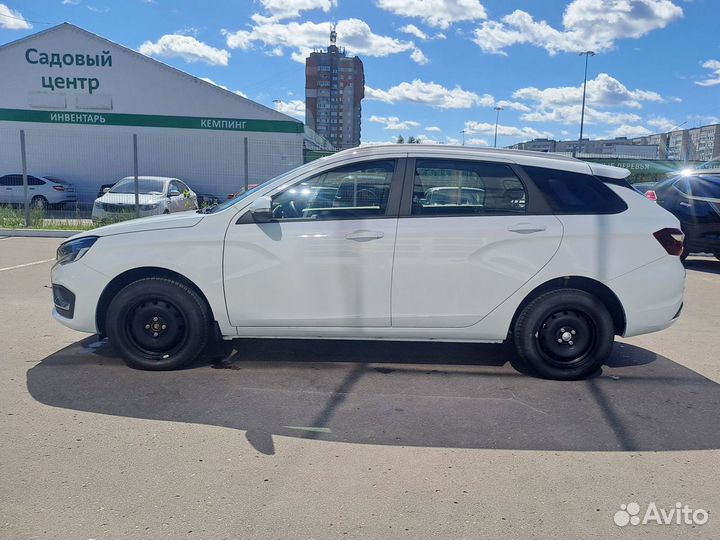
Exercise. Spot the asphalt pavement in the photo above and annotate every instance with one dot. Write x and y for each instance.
(343, 439)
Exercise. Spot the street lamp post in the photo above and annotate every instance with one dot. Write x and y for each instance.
(463, 137)
(497, 119)
(277, 104)
(586, 54)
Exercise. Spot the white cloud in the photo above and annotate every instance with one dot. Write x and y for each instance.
(472, 127)
(289, 9)
(571, 114)
(433, 128)
(70, 2)
(418, 57)
(294, 107)
(430, 93)
(238, 92)
(439, 13)
(714, 77)
(186, 47)
(353, 34)
(662, 124)
(563, 103)
(208, 80)
(11, 19)
(602, 90)
(587, 25)
(393, 122)
(630, 131)
(515, 105)
(475, 141)
(414, 31)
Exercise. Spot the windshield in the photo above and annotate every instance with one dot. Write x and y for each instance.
(148, 186)
(230, 202)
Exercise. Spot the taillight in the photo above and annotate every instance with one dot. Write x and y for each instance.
(651, 195)
(59, 188)
(671, 240)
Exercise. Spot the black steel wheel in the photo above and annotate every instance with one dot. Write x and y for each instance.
(158, 324)
(564, 334)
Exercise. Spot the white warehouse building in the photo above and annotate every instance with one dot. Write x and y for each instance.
(80, 99)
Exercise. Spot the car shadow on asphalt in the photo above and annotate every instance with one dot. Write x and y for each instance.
(710, 265)
(398, 393)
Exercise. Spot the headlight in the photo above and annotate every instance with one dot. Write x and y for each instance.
(74, 249)
(146, 207)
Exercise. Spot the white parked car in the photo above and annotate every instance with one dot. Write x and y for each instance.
(43, 191)
(556, 255)
(157, 195)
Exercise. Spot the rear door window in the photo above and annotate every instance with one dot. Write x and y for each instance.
(704, 186)
(445, 187)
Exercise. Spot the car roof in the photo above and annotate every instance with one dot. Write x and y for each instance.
(520, 157)
(159, 178)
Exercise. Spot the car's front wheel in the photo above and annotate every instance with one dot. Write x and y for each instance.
(565, 334)
(158, 324)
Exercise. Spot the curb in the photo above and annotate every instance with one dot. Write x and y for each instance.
(38, 233)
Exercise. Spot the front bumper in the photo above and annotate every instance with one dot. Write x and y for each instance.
(100, 215)
(80, 287)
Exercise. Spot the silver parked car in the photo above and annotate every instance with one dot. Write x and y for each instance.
(157, 195)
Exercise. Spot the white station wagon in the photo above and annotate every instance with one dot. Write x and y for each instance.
(427, 243)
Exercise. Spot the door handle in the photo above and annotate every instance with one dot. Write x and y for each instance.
(364, 236)
(526, 228)
(685, 204)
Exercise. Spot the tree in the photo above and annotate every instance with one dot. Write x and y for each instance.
(411, 139)
(400, 139)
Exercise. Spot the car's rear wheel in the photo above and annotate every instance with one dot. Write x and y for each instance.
(158, 324)
(565, 334)
(39, 203)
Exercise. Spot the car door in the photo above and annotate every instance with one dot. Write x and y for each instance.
(190, 201)
(697, 205)
(6, 191)
(37, 186)
(175, 194)
(461, 255)
(325, 260)
(11, 189)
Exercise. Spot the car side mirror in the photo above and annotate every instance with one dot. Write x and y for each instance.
(105, 190)
(261, 209)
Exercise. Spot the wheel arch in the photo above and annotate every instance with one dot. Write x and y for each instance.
(122, 280)
(589, 285)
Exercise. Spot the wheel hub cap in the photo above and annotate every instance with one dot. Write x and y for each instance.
(566, 337)
(156, 326)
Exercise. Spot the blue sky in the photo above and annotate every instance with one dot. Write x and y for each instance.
(434, 68)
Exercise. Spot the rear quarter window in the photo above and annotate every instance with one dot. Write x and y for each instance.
(575, 193)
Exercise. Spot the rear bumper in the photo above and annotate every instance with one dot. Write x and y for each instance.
(652, 295)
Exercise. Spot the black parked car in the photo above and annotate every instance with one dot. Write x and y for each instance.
(694, 198)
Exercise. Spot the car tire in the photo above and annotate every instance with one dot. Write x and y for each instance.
(565, 334)
(158, 324)
(39, 202)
